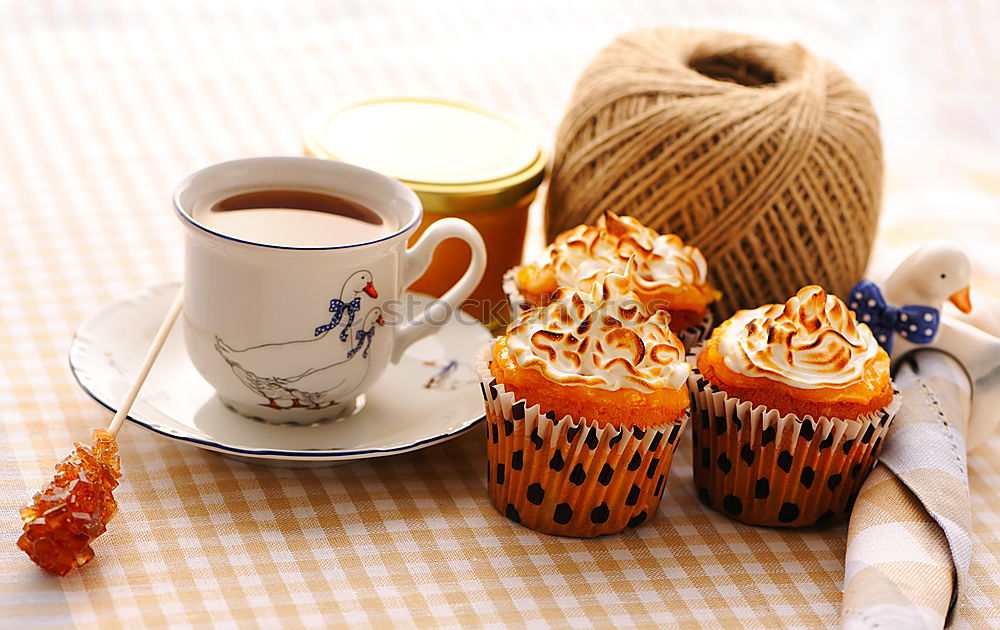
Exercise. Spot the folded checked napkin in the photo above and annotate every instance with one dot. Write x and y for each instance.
(908, 540)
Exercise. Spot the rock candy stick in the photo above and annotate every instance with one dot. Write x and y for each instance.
(74, 508)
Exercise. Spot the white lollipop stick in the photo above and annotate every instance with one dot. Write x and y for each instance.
(147, 363)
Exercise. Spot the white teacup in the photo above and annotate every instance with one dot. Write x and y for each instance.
(297, 334)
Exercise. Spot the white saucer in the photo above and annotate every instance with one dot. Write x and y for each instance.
(430, 396)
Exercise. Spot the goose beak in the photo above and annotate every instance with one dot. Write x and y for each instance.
(380, 321)
(961, 300)
(370, 290)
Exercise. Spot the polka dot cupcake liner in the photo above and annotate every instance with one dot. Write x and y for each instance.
(569, 477)
(760, 467)
(693, 336)
(517, 303)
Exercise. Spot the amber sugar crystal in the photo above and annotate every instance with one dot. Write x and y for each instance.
(74, 508)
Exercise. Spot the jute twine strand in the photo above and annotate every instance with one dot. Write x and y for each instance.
(763, 156)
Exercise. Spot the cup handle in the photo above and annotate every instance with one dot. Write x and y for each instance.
(415, 263)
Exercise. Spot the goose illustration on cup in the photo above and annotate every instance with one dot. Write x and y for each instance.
(360, 282)
(260, 323)
(255, 366)
(308, 387)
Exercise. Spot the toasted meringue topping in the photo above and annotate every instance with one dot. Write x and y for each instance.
(604, 338)
(581, 256)
(810, 341)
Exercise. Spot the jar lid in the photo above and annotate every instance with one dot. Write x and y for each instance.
(454, 155)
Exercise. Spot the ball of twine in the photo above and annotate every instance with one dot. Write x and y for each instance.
(766, 158)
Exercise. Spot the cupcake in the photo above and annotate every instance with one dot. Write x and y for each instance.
(669, 275)
(585, 402)
(792, 403)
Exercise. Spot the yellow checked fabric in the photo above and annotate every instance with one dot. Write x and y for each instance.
(106, 105)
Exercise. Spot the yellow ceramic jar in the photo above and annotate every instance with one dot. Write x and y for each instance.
(461, 160)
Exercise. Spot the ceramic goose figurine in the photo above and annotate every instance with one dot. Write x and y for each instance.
(934, 273)
(910, 311)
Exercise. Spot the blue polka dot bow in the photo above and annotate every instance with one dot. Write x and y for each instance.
(338, 308)
(915, 323)
(362, 336)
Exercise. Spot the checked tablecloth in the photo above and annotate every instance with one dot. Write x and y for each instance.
(104, 106)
